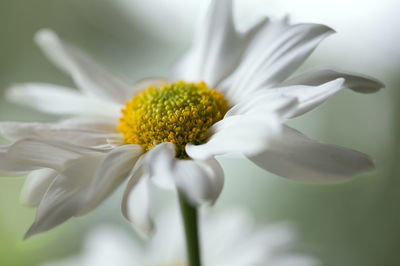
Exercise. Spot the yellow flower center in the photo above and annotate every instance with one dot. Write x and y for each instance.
(179, 113)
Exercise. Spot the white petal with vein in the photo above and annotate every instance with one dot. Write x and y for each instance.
(44, 154)
(62, 131)
(112, 171)
(66, 195)
(60, 100)
(298, 157)
(274, 53)
(11, 166)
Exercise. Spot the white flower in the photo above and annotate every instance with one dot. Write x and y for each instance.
(228, 239)
(78, 162)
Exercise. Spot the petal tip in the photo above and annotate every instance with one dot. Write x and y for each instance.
(145, 231)
(380, 84)
(31, 232)
(370, 164)
(13, 92)
(45, 35)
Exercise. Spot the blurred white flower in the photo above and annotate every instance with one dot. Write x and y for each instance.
(170, 131)
(230, 238)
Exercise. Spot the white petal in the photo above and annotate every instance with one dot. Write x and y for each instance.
(274, 53)
(158, 160)
(101, 124)
(265, 102)
(36, 185)
(298, 157)
(200, 181)
(309, 97)
(91, 78)
(216, 47)
(112, 171)
(238, 134)
(62, 131)
(60, 100)
(10, 166)
(354, 81)
(28, 153)
(287, 102)
(66, 194)
(136, 204)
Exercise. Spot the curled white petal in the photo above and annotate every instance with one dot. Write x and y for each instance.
(112, 171)
(158, 160)
(200, 181)
(309, 97)
(66, 195)
(36, 185)
(136, 203)
(354, 81)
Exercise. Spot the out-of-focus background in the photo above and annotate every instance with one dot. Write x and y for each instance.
(351, 224)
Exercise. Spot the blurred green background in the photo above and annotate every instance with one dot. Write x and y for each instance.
(351, 224)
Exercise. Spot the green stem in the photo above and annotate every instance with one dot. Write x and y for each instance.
(189, 217)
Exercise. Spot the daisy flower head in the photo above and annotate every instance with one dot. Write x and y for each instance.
(230, 238)
(229, 94)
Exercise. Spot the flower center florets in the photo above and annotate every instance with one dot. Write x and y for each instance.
(179, 113)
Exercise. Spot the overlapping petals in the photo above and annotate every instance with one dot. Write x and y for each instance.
(200, 181)
(76, 163)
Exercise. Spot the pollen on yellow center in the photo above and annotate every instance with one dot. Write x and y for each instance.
(179, 113)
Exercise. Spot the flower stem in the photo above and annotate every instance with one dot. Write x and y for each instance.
(189, 217)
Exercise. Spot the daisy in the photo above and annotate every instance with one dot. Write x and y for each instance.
(229, 94)
(230, 238)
